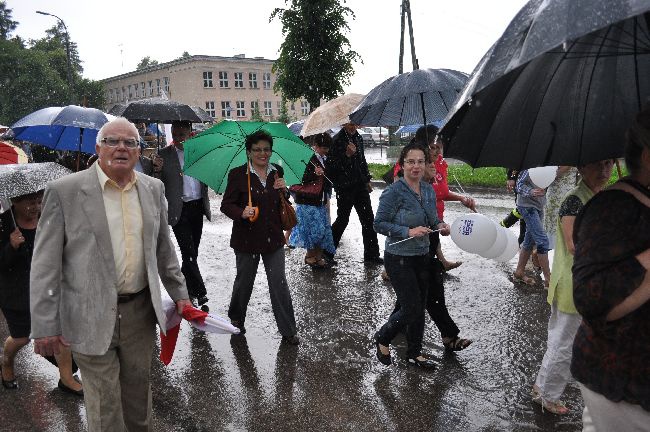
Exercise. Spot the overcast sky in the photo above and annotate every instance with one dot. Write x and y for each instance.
(113, 35)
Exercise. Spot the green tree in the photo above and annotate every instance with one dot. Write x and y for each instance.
(283, 115)
(145, 63)
(54, 43)
(185, 55)
(7, 25)
(315, 59)
(255, 112)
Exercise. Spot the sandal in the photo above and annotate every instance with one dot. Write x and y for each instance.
(522, 279)
(8, 384)
(457, 344)
(536, 265)
(558, 407)
(316, 263)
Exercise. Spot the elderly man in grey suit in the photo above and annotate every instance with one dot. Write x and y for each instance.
(102, 244)
(188, 203)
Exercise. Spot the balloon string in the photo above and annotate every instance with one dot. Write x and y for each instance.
(409, 238)
(459, 185)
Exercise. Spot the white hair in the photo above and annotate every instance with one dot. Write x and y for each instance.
(121, 121)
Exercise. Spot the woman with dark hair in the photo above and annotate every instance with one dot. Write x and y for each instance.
(313, 231)
(257, 232)
(17, 234)
(611, 290)
(406, 216)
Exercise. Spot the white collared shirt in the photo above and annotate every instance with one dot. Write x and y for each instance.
(191, 186)
(269, 169)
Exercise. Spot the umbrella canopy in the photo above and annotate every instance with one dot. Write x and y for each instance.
(210, 155)
(160, 110)
(62, 128)
(331, 114)
(11, 154)
(414, 128)
(422, 96)
(560, 86)
(296, 126)
(23, 179)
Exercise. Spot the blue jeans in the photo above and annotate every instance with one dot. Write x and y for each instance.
(535, 234)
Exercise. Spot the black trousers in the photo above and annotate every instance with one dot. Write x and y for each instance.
(359, 198)
(188, 232)
(409, 276)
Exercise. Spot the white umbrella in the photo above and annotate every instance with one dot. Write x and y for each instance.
(331, 114)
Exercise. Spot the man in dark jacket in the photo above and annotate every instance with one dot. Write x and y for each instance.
(347, 168)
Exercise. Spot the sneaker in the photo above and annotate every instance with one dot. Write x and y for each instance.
(239, 325)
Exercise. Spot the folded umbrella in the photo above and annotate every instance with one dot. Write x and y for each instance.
(207, 322)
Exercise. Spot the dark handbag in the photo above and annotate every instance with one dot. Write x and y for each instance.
(288, 217)
(310, 191)
(388, 175)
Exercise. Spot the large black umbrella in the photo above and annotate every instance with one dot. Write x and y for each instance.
(160, 110)
(560, 86)
(422, 96)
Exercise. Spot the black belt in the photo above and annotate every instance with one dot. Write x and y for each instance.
(125, 298)
(195, 202)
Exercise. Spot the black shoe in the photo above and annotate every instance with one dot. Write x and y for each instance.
(239, 325)
(64, 388)
(423, 364)
(383, 358)
(329, 258)
(202, 300)
(374, 260)
(10, 384)
(291, 340)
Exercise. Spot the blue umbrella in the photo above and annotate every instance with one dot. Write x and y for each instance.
(62, 128)
(296, 127)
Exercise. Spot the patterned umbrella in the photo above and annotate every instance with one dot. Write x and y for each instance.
(23, 179)
(11, 154)
(331, 114)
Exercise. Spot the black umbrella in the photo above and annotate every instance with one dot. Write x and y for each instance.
(160, 110)
(560, 86)
(420, 97)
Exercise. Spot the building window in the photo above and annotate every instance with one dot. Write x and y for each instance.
(239, 80)
(209, 108)
(110, 95)
(223, 79)
(225, 109)
(241, 108)
(293, 106)
(268, 108)
(266, 80)
(137, 90)
(207, 79)
(123, 94)
(158, 86)
(166, 84)
(252, 80)
(254, 105)
(130, 92)
(150, 88)
(143, 92)
(304, 108)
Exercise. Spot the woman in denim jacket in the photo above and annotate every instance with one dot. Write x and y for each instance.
(406, 215)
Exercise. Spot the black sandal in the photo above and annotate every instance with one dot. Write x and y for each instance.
(8, 384)
(457, 344)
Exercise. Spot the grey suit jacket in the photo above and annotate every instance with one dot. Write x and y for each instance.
(172, 177)
(73, 283)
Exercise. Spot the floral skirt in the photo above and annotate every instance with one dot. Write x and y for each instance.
(313, 229)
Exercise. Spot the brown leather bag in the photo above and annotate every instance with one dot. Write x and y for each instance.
(287, 213)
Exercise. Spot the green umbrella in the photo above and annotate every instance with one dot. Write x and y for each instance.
(210, 155)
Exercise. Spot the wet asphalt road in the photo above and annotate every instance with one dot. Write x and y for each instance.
(332, 381)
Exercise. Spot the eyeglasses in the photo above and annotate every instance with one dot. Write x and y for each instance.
(414, 162)
(262, 150)
(130, 143)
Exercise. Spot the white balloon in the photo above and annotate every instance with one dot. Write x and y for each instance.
(511, 248)
(542, 177)
(499, 245)
(473, 232)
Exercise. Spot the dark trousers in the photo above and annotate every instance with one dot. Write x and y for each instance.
(242, 289)
(188, 231)
(409, 276)
(359, 198)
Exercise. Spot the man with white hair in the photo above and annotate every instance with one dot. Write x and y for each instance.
(102, 243)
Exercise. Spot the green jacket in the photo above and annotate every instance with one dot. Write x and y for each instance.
(560, 290)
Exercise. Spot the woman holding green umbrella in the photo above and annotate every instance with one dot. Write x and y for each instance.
(252, 201)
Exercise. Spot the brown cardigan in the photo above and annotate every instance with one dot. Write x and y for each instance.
(265, 235)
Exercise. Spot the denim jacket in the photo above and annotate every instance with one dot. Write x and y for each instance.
(399, 210)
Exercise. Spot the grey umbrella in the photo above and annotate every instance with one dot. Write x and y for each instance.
(420, 97)
(23, 179)
(160, 110)
(560, 86)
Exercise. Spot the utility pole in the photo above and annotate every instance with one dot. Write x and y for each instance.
(406, 10)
